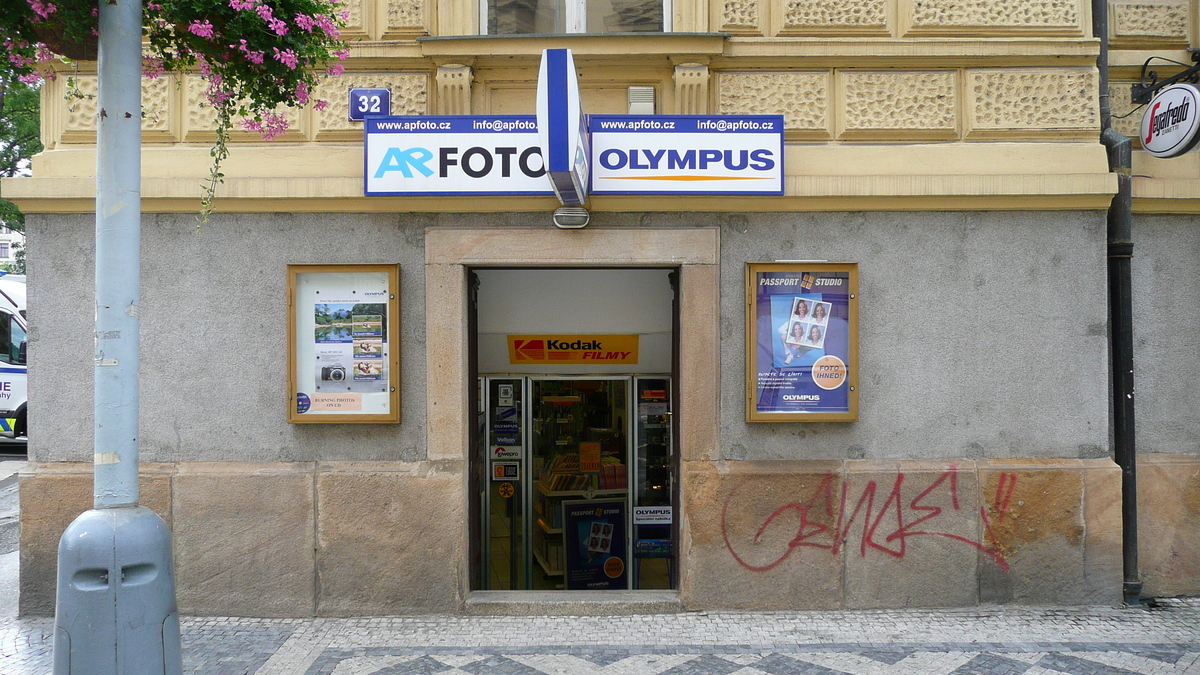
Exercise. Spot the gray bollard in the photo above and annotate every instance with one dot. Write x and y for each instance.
(116, 612)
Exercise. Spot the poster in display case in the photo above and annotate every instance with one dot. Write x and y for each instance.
(801, 342)
(343, 343)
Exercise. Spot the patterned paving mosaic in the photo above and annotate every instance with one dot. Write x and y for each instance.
(991, 641)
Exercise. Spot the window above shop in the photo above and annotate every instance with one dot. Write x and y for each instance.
(532, 17)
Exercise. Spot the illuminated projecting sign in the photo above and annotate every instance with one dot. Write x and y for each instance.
(1171, 123)
(687, 154)
(453, 155)
(562, 129)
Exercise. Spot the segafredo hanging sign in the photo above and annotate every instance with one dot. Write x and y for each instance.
(687, 154)
(1171, 123)
(453, 155)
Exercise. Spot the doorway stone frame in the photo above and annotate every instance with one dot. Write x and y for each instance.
(450, 252)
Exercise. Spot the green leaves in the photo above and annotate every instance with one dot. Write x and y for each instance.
(19, 137)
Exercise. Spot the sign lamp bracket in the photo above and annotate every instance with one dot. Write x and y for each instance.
(1149, 84)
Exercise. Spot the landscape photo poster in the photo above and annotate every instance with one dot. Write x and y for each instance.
(343, 343)
(801, 342)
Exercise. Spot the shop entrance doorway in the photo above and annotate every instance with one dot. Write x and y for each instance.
(574, 472)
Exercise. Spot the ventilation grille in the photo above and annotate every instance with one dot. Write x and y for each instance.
(641, 100)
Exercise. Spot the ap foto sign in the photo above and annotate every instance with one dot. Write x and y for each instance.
(453, 155)
(630, 155)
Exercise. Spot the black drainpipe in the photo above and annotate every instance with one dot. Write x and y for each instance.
(1120, 312)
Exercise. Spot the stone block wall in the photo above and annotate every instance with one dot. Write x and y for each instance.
(353, 538)
(877, 534)
(277, 539)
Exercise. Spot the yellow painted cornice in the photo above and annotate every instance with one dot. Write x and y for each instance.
(724, 51)
(1125, 65)
(34, 205)
(1166, 195)
(631, 45)
(905, 53)
(821, 177)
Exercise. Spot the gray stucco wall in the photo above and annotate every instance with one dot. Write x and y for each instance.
(982, 334)
(1166, 331)
(213, 327)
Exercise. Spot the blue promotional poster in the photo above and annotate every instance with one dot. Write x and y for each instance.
(802, 342)
(595, 541)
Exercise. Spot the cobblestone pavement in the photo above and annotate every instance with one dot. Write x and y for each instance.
(993, 640)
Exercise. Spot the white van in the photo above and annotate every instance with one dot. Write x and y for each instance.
(13, 390)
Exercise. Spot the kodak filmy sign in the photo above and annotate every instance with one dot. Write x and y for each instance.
(573, 349)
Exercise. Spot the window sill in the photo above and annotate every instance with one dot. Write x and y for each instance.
(600, 44)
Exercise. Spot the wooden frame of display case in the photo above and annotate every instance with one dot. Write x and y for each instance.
(360, 355)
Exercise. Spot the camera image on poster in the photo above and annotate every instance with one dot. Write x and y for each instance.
(800, 322)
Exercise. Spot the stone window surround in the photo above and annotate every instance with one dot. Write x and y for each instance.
(449, 253)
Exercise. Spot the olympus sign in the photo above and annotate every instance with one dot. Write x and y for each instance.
(1171, 124)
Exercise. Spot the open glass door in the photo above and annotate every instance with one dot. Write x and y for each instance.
(579, 460)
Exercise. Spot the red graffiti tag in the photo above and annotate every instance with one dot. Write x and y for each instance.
(920, 519)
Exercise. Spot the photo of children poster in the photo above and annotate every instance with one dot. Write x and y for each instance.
(801, 317)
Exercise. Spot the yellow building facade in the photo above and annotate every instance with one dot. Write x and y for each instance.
(950, 148)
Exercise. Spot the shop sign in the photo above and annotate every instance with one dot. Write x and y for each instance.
(652, 515)
(506, 451)
(562, 130)
(594, 541)
(573, 349)
(801, 342)
(453, 155)
(648, 408)
(652, 548)
(502, 471)
(589, 457)
(1171, 123)
(687, 154)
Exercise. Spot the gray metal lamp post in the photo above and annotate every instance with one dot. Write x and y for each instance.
(115, 609)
